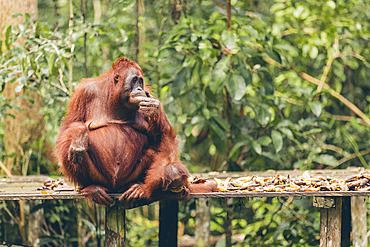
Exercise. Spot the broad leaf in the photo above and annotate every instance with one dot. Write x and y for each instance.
(277, 139)
(316, 107)
(219, 74)
(326, 159)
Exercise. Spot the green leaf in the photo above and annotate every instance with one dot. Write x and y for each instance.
(314, 52)
(245, 73)
(240, 87)
(219, 74)
(205, 49)
(206, 113)
(51, 63)
(89, 225)
(287, 132)
(292, 50)
(222, 122)
(257, 147)
(263, 116)
(264, 140)
(180, 81)
(277, 139)
(212, 150)
(316, 107)
(188, 130)
(7, 37)
(236, 149)
(216, 128)
(236, 85)
(205, 53)
(182, 118)
(219, 143)
(229, 39)
(326, 159)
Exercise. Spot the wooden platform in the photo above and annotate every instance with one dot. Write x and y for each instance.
(25, 188)
(52, 195)
(339, 210)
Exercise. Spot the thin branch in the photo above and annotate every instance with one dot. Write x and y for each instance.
(315, 81)
(8, 172)
(332, 148)
(70, 67)
(287, 203)
(228, 10)
(352, 156)
(140, 9)
(328, 66)
(10, 214)
(330, 62)
(59, 87)
(325, 74)
(60, 78)
(83, 11)
(277, 210)
(347, 118)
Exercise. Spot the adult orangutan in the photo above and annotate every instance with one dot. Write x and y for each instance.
(117, 138)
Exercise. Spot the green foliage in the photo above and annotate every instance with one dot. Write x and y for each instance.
(236, 97)
(219, 87)
(233, 98)
(262, 221)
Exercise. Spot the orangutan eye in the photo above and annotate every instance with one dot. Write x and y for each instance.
(116, 78)
(141, 83)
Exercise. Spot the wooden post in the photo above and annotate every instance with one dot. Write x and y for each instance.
(115, 234)
(168, 223)
(335, 224)
(229, 219)
(79, 223)
(34, 222)
(359, 226)
(202, 222)
(346, 221)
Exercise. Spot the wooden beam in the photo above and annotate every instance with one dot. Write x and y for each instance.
(168, 223)
(335, 223)
(229, 222)
(346, 221)
(115, 232)
(280, 194)
(202, 222)
(37, 195)
(359, 224)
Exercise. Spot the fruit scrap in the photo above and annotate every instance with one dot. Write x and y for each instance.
(305, 183)
(55, 185)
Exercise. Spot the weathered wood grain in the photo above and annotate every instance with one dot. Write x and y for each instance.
(331, 225)
(37, 195)
(280, 194)
(202, 222)
(25, 188)
(359, 224)
(115, 228)
(168, 223)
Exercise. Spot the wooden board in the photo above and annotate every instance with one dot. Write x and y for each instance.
(25, 188)
(280, 194)
(37, 195)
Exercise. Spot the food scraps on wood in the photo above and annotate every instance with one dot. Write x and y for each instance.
(278, 183)
(55, 185)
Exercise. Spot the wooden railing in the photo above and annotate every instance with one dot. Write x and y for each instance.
(340, 211)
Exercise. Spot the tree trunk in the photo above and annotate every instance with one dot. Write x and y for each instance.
(140, 31)
(28, 124)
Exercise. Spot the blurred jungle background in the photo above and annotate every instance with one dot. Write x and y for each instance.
(248, 85)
